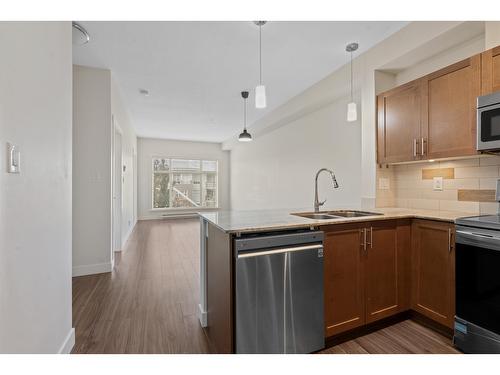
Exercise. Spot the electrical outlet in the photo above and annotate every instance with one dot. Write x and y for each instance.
(437, 183)
(383, 183)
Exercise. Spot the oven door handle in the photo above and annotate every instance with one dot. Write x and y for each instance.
(478, 240)
(475, 234)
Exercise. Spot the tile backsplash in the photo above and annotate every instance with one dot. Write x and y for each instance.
(468, 185)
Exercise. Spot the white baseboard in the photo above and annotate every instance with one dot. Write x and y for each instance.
(68, 343)
(127, 236)
(202, 316)
(91, 269)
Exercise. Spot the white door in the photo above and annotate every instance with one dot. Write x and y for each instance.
(117, 191)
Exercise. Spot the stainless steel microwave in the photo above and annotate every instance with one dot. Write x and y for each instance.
(488, 122)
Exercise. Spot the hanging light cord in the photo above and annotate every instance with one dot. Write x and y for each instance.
(244, 114)
(351, 78)
(260, 54)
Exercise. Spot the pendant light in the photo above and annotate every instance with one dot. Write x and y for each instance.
(260, 90)
(352, 111)
(245, 136)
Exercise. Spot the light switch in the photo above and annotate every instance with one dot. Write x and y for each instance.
(13, 158)
(437, 183)
(383, 183)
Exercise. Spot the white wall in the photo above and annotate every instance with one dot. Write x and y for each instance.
(96, 103)
(278, 169)
(35, 205)
(129, 156)
(416, 42)
(92, 170)
(147, 148)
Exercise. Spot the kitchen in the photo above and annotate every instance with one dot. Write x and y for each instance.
(379, 266)
(251, 187)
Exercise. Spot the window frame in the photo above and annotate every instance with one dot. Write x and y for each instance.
(171, 173)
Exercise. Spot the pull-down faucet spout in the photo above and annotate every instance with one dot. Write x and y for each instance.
(317, 203)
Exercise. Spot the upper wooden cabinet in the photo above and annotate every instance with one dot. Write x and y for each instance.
(433, 275)
(432, 117)
(449, 98)
(490, 71)
(399, 112)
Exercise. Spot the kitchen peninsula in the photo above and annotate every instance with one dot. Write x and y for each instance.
(374, 266)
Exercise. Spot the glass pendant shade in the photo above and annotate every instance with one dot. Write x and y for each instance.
(260, 97)
(245, 136)
(352, 112)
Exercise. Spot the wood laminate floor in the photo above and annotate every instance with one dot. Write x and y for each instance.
(148, 304)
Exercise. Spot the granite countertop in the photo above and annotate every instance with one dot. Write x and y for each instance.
(261, 220)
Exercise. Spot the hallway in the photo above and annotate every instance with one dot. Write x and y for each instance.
(149, 303)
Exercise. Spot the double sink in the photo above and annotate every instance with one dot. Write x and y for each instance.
(337, 214)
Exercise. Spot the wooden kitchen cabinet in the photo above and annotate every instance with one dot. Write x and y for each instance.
(363, 284)
(398, 125)
(433, 270)
(343, 278)
(381, 271)
(490, 71)
(449, 110)
(433, 116)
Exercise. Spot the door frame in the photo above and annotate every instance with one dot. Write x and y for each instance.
(117, 172)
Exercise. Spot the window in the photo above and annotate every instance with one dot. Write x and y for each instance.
(184, 183)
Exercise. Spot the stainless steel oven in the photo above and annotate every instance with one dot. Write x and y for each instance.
(488, 122)
(477, 320)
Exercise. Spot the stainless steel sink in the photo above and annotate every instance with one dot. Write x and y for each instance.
(316, 216)
(337, 214)
(352, 213)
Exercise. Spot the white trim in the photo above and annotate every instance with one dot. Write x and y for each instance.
(202, 316)
(68, 343)
(188, 215)
(202, 307)
(127, 236)
(91, 269)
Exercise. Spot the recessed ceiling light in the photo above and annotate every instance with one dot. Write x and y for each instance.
(80, 35)
(144, 92)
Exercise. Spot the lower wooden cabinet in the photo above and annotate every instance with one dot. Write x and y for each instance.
(366, 274)
(343, 278)
(433, 270)
(381, 271)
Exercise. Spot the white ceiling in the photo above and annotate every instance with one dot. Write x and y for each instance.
(195, 71)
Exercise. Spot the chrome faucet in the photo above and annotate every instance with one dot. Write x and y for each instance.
(317, 203)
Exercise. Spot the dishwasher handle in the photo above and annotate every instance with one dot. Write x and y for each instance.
(279, 251)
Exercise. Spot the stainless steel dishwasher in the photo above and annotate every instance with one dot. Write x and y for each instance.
(279, 292)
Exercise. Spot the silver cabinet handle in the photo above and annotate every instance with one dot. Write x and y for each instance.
(362, 239)
(449, 240)
(414, 147)
(371, 237)
(364, 242)
(424, 142)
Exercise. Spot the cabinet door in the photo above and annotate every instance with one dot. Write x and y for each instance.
(398, 125)
(343, 279)
(433, 281)
(381, 271)
(490, 71)
(449, 110)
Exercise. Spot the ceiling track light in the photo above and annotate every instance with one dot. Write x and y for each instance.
(245, 136)
(352, 111)
(260, 90)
